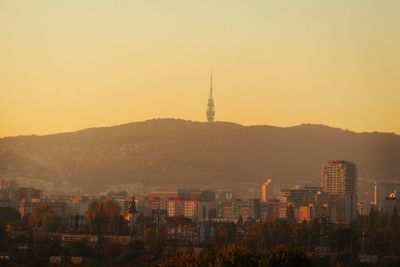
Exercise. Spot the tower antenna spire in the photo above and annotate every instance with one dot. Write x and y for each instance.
(210, 106)
(211, 87)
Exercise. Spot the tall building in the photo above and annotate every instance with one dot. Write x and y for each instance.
(210, 105)
(392, 203)
(266, 190)
(382, 191)
(339, 178)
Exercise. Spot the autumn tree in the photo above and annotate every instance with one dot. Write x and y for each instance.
(45, 218)
(8, 216)
(104, 217)
(284, 257)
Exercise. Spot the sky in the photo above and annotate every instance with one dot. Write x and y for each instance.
(69, 65)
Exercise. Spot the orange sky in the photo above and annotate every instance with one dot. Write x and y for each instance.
(68, 65)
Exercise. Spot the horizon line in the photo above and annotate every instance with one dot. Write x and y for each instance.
(194, 121)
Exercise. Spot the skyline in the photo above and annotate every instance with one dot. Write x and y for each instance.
(67, 66)
(194, 121)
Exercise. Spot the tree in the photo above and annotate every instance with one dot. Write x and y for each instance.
(344, 237)
(226, 233)
(229, 256)
(280, 232)
(130, 253)
(80, 248)
(285, 257)
(290, 214)
(44, 217)
(394, 219)
(104, 217)
(257, 235)
(236, 255)
(8, 216)
(149, 237)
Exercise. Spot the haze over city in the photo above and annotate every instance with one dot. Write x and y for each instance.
(69, 65)
(164, 133)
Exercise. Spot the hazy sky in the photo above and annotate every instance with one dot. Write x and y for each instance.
(68, 65)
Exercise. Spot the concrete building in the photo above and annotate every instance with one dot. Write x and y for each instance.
(364, 208)
(205, 211)
(250, 209)
(166, 194)
(159, 207)
(8, 184)
(331, 207)
(299, 195)
(267, 190)
(26, 207)
(190, 208)
(234, 209)
(144, 205)
(392, 203)
(29, 194)
(224, 195)
(381, 192)
(204, 195)
(176, 207)
(227, 209)
(273, 209)
(208, 195)
(8, 198)
(8, 203)
(306, 213)
(78, 206)
(339, 178)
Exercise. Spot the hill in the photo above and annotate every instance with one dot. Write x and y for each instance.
(168, 152)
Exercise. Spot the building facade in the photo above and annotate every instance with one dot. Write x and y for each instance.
(266, 190)
(339, 178)
(381, 193)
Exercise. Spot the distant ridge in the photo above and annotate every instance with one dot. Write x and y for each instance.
(183, 153)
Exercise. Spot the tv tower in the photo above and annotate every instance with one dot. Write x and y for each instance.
(210, 105)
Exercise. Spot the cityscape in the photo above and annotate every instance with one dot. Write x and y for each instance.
(326, 222)
(199, 133)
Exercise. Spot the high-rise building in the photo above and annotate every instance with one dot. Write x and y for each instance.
(210, 105)
(339, 178)
(392, 203)
(381, 192)
(266, 190)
